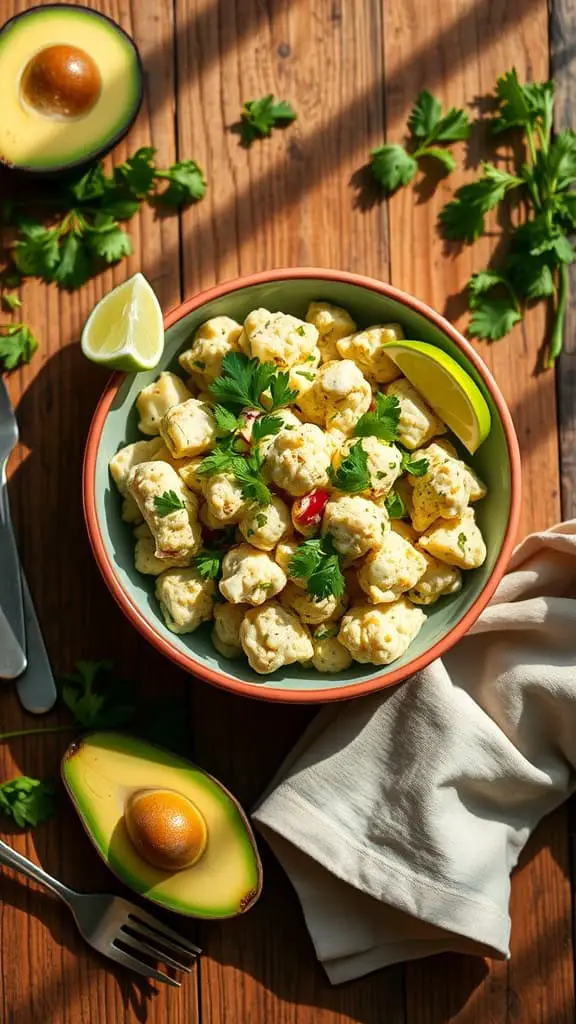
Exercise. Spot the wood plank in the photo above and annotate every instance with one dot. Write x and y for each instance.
(287, 200)
(48, 973)
(457, 49)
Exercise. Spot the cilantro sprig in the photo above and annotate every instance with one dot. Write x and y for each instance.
(168, 502)
(208, 563)
(539, 249)
(233, 454)
(395, 506)
(393, 166)
(81, 225)
(243, 382)
(317, 563)
(259, 117)
(17, 345)
(352, 475)
(383, 422)
(412, 466)
(27, 801)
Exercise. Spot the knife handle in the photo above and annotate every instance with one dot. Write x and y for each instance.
(12, 657)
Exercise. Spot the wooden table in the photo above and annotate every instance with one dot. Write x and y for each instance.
(351, 69)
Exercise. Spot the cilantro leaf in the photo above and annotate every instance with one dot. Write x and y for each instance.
(529, 275)
(425, 115)
(91, 184)
(208, 563)
(75, 266)
(281, 394)
(96, 697)
(463, 217)
(492, 318)
(28, 801)
(395, 506)
(219, 461)
(383, 422)
(259, 117)
(352, 475)
(17, 345)
(317, 563)
(226, 421)
(36, 251)
(11, 301)
(248, 473)
(412, 466)
(266, 426)
(522, 105)
(443, 155)
(186, 183)
(167, 503)
(392, 167)
(136, 175)
(426, 121)
(107, 239)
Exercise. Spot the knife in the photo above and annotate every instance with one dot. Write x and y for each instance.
(12, 657)
(11, 598)
(36, 687)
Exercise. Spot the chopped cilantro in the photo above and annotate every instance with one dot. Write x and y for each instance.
(167, 503)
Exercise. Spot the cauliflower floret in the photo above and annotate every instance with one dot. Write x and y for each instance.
(186, 600)
(279, 338)
(365, 349)
(145, 560)
(264, 525)
(332, 323)
(271, 637)
(329, 654)
(391, 570)
(213, 340)
(310, 610)
(250, 576)
(355, 524)
(456, 541)
(297, 460)
(378, 634)
(417, 423)
(187, 470)
(226, 632)
(345, 393)
(284, 554)
(130, 511)
(477, 488)
(439, 579)
(442, 491)
(290, 421)
(189, 429)
(224, 499)
(132, 455)
(154, 401)
(384, 463)
(176, 532)
(143, 530)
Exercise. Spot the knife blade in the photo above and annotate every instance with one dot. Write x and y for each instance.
(36, 687)
(10, 591)
(12, 657)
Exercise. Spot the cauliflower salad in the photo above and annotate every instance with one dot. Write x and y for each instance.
(297, 492)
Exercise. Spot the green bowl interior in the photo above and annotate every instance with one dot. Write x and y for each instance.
(292, 296)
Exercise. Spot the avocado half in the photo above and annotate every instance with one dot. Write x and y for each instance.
(71, 87)
(106, 774)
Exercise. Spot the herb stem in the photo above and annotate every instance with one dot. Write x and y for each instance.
(560, 316)
(37, 732)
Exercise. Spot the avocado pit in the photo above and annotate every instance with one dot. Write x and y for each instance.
(166, 829)
(61, 81)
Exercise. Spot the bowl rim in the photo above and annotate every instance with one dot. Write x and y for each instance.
(217, 677)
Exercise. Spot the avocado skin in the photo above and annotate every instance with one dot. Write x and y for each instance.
(98, 151)
(170, 891)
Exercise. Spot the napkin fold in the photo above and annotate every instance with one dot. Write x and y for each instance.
(399, 817)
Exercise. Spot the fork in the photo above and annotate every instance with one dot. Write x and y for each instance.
(109, 922)
(12, 656)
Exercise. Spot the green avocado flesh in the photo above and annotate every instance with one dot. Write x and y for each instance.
(102, 771)
(37, 138)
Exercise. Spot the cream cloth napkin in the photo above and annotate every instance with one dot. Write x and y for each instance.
(398, 818)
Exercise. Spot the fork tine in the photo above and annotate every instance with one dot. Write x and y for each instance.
(117, 954)
(153, 951)
(158, 936)
(163, 930)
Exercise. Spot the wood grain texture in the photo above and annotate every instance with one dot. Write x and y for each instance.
(48, 974)
(458, 49)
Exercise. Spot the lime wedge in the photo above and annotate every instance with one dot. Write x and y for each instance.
(125, 330)
(446, 387)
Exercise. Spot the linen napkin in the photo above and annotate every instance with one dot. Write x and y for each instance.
(399, 817)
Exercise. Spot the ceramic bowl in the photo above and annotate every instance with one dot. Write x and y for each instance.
(114, 425)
